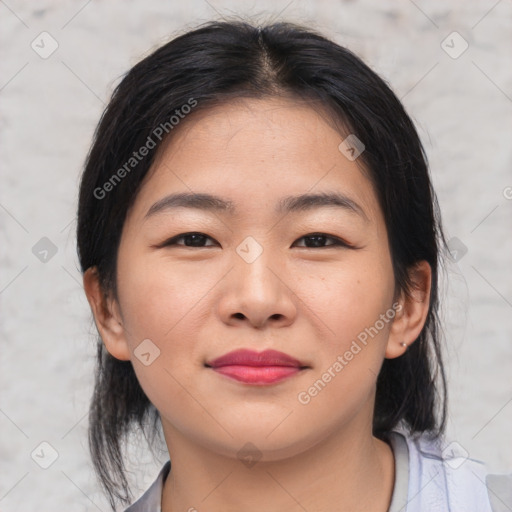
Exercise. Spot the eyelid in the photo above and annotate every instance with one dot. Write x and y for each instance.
(336, 239)
(173, 239)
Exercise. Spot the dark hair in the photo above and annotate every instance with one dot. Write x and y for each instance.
(214, 63)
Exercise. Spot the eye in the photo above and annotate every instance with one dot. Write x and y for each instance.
(318, 239)
(190, 239)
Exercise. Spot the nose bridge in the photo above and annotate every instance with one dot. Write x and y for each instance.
(257, 287)
(253, 265)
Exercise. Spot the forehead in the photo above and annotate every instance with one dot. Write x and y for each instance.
(267, 118)
(255, 152)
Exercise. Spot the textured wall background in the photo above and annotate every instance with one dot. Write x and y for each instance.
(460, 99)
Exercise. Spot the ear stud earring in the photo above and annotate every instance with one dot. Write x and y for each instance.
(403, 344)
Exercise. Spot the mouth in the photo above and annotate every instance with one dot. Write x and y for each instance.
(256, 368)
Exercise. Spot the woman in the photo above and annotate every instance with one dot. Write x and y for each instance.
(260, 245)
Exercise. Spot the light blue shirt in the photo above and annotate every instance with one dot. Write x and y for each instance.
(431, 475)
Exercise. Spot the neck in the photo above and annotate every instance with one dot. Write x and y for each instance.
(350, 470)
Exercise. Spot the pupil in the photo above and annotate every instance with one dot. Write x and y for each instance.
(196, 239)
(317, 240)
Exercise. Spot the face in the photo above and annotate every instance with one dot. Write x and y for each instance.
(312, 280)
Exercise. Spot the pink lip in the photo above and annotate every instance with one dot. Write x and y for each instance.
(252, 367)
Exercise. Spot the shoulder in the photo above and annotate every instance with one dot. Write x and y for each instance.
(151, 500)
(443, 476)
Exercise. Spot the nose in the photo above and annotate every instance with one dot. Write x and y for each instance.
(258, 293)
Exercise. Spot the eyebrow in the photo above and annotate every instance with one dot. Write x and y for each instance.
(288, 204)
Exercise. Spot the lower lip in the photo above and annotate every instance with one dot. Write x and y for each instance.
(257, 374)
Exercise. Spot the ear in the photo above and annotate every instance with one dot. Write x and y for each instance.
(411, 312)
(106, 316)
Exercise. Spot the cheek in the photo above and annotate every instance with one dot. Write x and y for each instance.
(357, 308)
(349, 357)
(159, 303)
(158, 298)
(350, 299)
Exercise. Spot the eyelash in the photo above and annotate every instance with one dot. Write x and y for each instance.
(337, 242)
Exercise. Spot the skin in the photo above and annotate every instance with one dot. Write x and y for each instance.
(311, 302)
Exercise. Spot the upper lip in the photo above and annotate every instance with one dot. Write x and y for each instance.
(246, 357)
